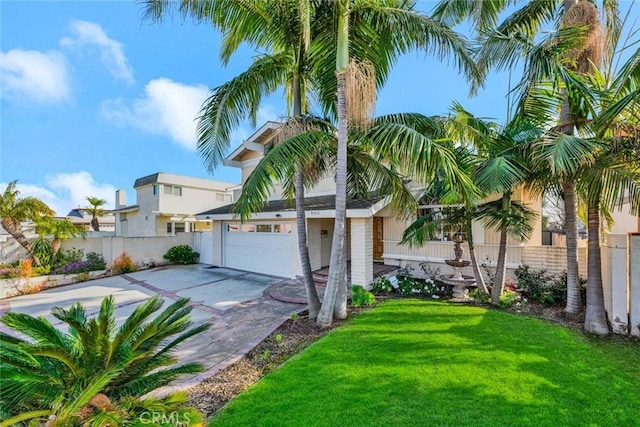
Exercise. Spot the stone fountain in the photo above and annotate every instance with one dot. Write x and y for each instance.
(458, 280)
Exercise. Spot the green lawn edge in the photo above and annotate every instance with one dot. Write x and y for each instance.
(416, 362)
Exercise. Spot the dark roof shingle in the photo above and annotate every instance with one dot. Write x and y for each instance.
(316, 203)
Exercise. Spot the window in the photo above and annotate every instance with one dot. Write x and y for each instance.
(178, 227)
(172, 190)
(221, 197)
(282, 228)
(155, 189)
(259, 228)
(444, 231)
(248, 228)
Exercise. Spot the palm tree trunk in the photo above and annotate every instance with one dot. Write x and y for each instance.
(501, 269)
(340, 307)
(474, 261)
(56, 244)
(595, 320)
(13, 228)
(501, 266)
(95, 224)
(574, 303)
(313, 302)
(336, 263)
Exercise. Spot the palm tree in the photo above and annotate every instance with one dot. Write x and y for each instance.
(58, 230)
(400, 29)
(382, 31)
(283, 28)
(514, 38)
(96, 374)
(15, 210)
(96, 210)
(502, 165)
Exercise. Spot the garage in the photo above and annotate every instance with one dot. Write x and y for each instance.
(259, 247)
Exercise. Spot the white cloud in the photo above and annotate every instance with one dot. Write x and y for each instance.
(66, 191)
(87, 34)
(37, 76)
(167, 108)
(171, 109)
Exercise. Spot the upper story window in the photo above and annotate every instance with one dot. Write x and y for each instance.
(173, 190)
(221, 197)
(155, 189)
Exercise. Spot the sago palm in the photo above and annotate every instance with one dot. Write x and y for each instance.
(92, 372)
(15, 210)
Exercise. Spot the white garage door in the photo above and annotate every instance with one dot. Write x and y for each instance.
(258, 247)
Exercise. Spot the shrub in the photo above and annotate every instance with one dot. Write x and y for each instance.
(478, 295)
(360, 296)
(96, 261)
(43, 250)
(408, 285)
(182, 254)
(69, 256)
(380, 285)
(72, 268)
(124, 264)
(509, 297)
(96, 374)
(535, 283)
(26, 268)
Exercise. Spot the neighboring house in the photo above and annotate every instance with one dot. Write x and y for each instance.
(166, 204)
(81, 217)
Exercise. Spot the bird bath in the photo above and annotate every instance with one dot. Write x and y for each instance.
(458, 280)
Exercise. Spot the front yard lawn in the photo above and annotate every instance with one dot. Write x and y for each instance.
(416, 362)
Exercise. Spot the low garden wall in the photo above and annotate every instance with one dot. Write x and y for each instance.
(22, 286)
(143, 251)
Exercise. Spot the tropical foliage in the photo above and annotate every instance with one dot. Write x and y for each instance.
(15, 210)
(91, 372)
(95, 208)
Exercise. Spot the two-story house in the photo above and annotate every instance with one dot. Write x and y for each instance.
(166, 204)
(268, 242)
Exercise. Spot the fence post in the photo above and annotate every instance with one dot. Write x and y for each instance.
(634, 283)
(615, 281)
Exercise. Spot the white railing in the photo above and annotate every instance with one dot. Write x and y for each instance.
(437, 251)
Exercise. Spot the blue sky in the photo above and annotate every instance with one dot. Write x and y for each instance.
(93, 98)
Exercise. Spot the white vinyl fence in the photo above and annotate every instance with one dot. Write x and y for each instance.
(621, 282)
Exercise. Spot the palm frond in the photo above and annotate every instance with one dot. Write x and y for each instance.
(235, 101)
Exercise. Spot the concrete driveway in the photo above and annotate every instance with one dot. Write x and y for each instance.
(236, 304)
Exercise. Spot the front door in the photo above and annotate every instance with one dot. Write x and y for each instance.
(378, 244)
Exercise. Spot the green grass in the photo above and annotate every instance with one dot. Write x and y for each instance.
(421, 363)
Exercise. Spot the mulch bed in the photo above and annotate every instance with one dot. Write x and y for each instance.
(297, 333)
(290, 338)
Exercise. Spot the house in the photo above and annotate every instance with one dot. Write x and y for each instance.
(81, 218)
(166, 204)
(268, 242)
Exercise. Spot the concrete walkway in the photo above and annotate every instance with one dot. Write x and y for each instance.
(236, 303)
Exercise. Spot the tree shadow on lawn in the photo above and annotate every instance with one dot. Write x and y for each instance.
(442, 364)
